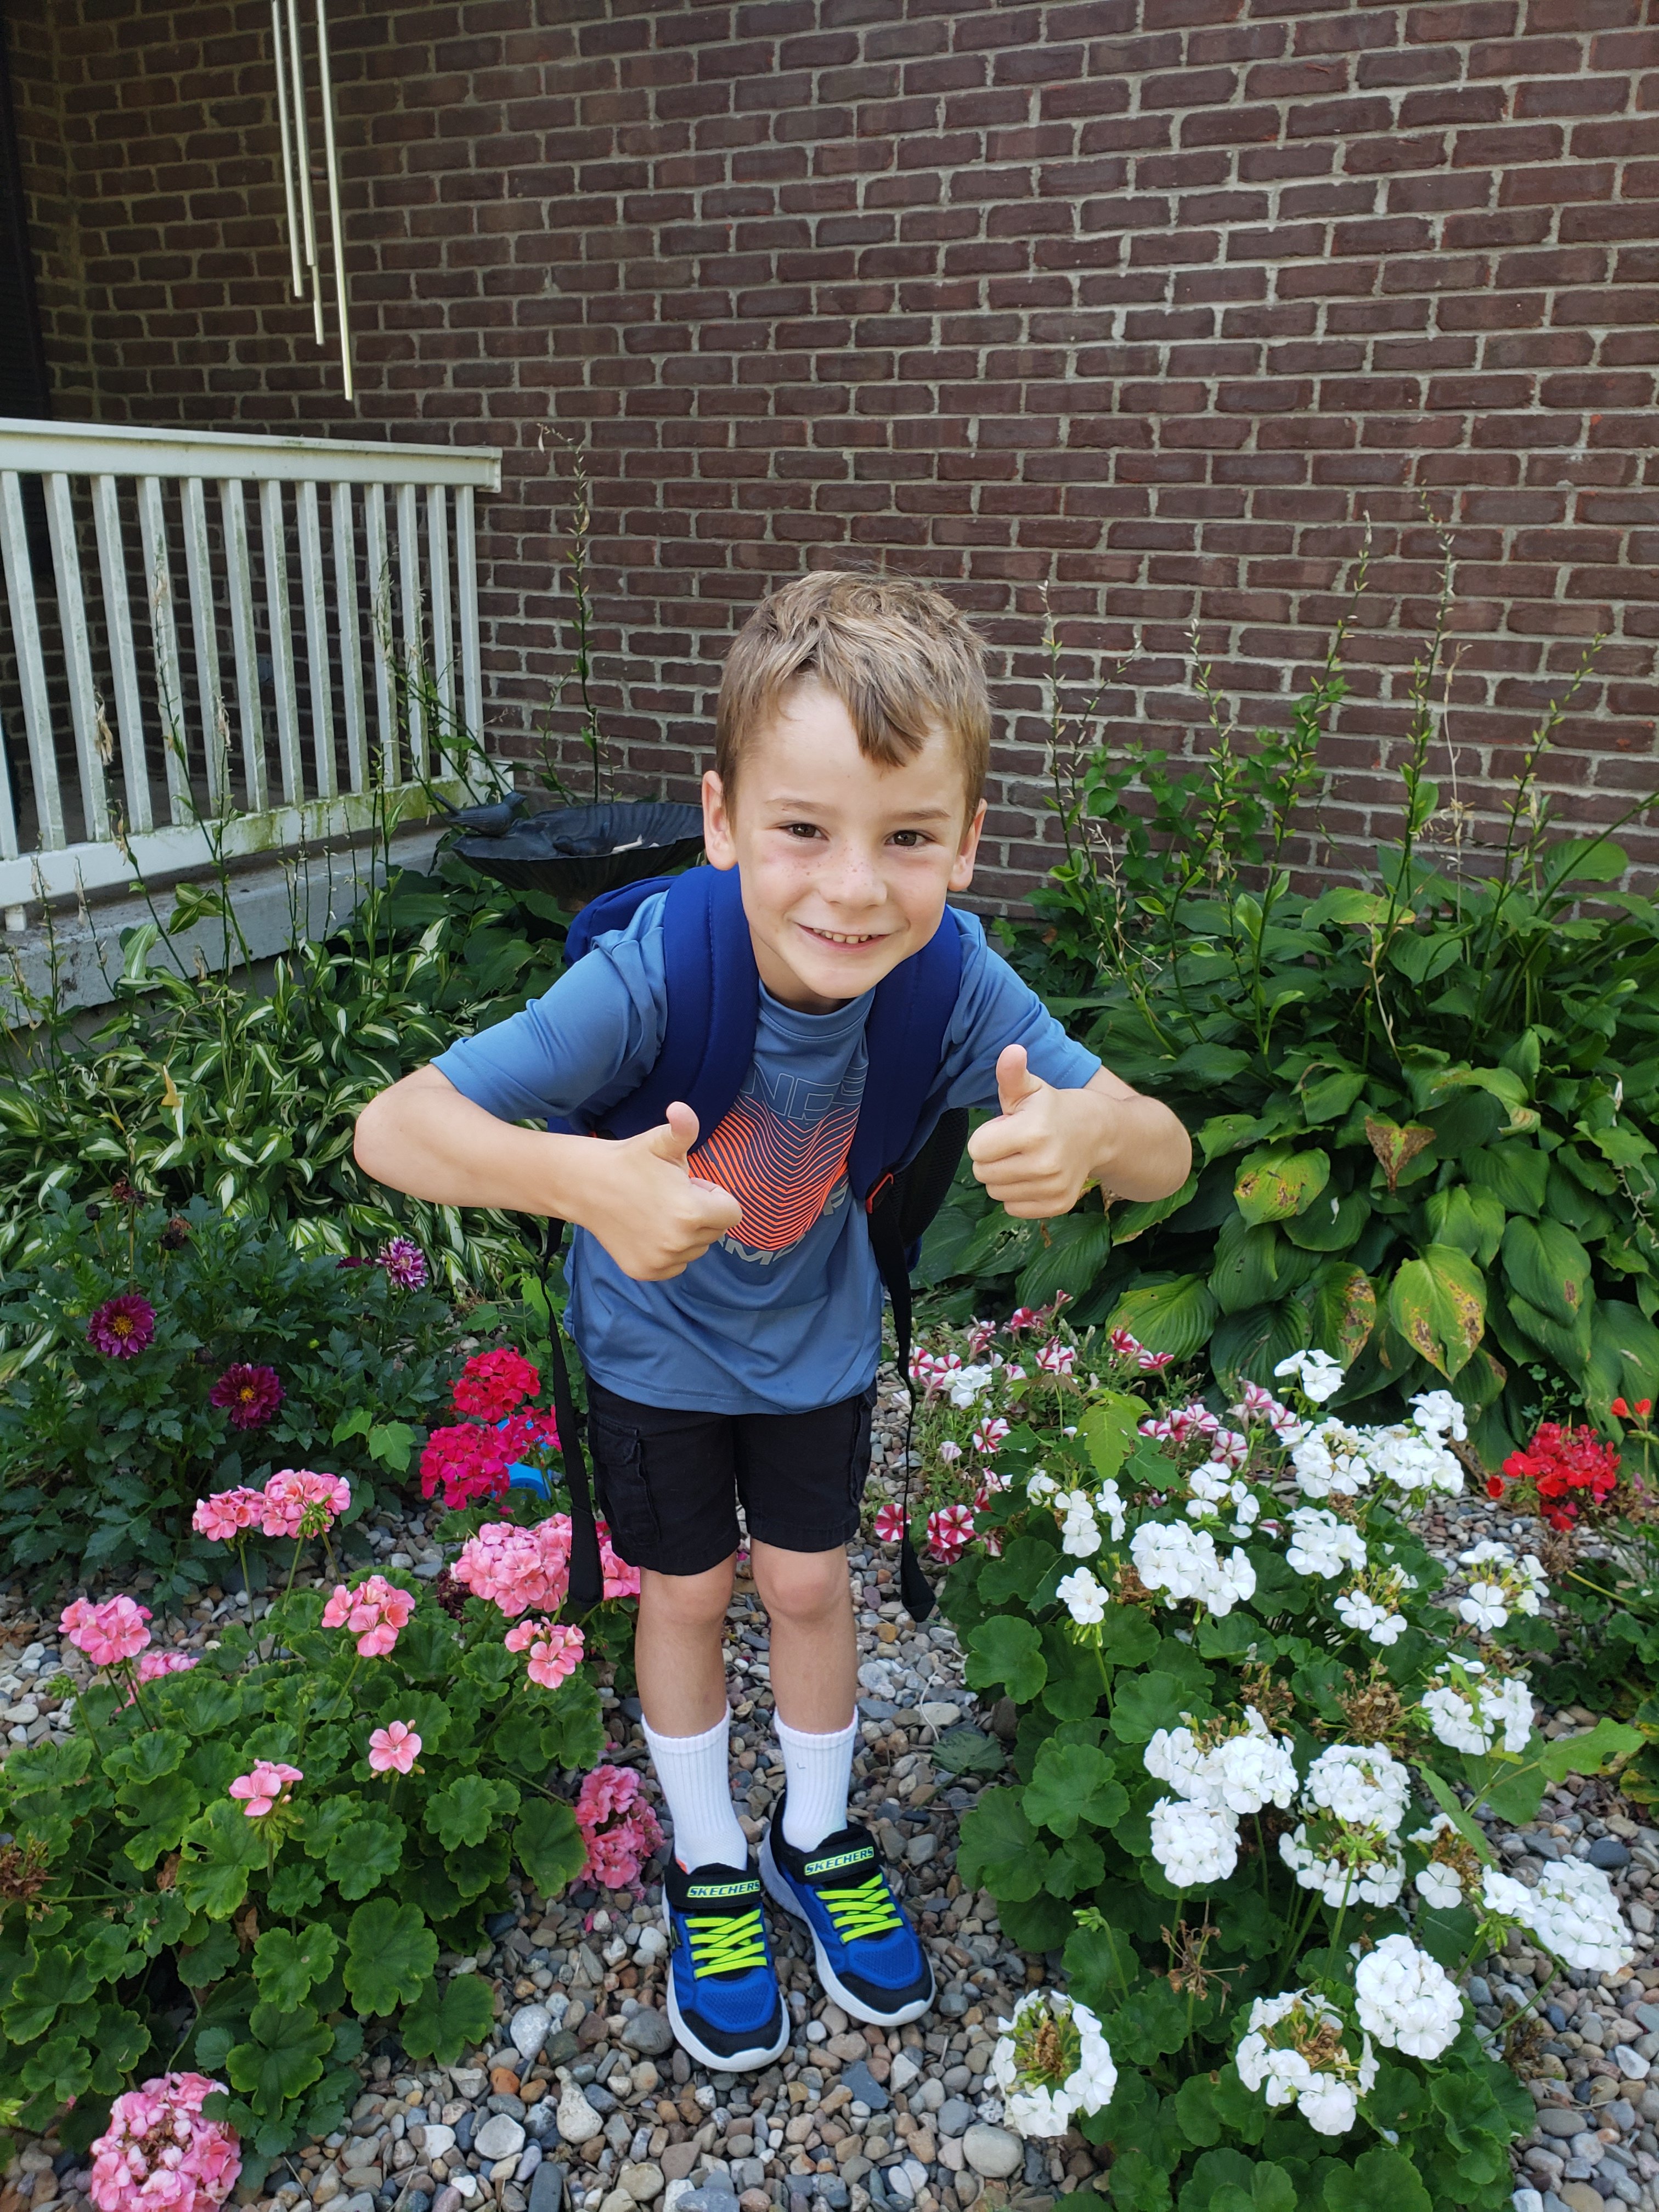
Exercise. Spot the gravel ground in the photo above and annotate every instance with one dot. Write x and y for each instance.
(583, 2104)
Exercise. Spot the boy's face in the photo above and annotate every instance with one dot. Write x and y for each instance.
(845, 863)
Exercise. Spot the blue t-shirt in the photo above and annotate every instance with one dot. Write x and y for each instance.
(784, 1313)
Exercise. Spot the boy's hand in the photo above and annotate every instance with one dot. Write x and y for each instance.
(1036, 1158)
(651, 1215)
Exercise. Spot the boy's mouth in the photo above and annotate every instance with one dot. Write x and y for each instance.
(849, 939)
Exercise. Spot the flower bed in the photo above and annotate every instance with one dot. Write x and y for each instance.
(1256, 1720)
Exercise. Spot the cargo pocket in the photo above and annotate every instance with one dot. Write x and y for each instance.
(621, 1490)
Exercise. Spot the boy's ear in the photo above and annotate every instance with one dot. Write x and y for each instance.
(961, 868)
(718, 842)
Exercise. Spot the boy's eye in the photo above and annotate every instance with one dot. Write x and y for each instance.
(800, 828)
(911, 840)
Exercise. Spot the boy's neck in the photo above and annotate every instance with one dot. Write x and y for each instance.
(785, 986)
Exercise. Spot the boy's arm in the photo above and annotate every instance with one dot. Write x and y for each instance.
(636, 1196)
(1048, 1145)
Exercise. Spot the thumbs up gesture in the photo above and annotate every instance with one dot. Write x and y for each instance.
(1036, 1156)
(651, 1215)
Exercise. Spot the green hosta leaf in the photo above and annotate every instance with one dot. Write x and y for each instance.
(365, 1854)
(1074, 1784)
(286, 1966)
(1517, 1174)
(468, 1809)
(390, 1957)
(1109, 1430)
(1008, 1650)
(1143, 1703)
(1174, 1317)
(1439, 1304)
(1548, 1268)
(548, 1845)
(997, 1850)
(281, 2058)
(1380, 2179)
(1076, 1248)
(1582, 859)
(1278, 1181)
(1329, 1096)
(1246, 1273)
(1468, 1218)
(1342, 1305)
(442, 2028)
(1624, 1337)
(1331, 1224)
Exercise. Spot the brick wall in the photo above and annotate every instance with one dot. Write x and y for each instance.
(1161, 300)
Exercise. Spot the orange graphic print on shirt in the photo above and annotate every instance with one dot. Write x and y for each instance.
(783, 1167)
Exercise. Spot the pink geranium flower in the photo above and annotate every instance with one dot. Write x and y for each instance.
(394, 1748)
(153, 1665)
(617, 1825)
(949, 1532)
(375, 1613)
(528, 1569)
(555, 1652)
(159, 2154)
(495, 1384)
(249, 1396)
(122, 1327)
(265, 1787)
(107, 1633)
(297, 1502)
(224, 1517)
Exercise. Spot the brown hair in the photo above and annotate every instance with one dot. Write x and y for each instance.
(899, 657)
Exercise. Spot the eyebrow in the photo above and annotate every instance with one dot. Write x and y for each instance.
(786, 804)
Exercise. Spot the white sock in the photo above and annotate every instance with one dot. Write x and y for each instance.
(817, 1773)
(695, 1774)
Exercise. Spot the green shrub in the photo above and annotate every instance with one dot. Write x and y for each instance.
(1423, 1107)
(103, 1457)
(147, 1921)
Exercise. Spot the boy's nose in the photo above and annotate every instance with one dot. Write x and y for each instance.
(851, 877)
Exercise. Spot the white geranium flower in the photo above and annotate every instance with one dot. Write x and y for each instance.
(1574, 1912)
(1082, 1596)
(1183, 1563)
(1501, 1585)
(1238, 1773)
(1361, 1785)
(1286, 2034)
(1193, 1843)
(1484, 1607)
(1110, 1500)
(1361, 1867)
(1469, 1710)
(1079, 1532)
(1040, 1484)
(1051, 2062)
(1406, 1999)
(1320, 1375)
(1321, 1544)
(1440, 1885)
(1174, 1756)
(1370, 1605)
(1502, 1894)
(1330, 1457)
(966, 1385)
(1413, 1462)
(1438, 1414)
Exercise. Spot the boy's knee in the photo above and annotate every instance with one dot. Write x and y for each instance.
(687, 1601)
(805, 1586)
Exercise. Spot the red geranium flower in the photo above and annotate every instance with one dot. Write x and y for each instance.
(1568, 1467)
(495, 1384)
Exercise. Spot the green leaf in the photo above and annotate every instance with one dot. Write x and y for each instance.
(1078, 1864)
(286, 1965)
(1548, 1268)
(1174, 1317)
(1076, 1248)
(167, 1808)
(1439, 1304)
(365, 1855)
(1278, 1181)
(998, 1848)
(442, 2028)
(1127, 1637)
(219, 1850)
(1194, 2107)
(283, 2056)
(1516, 1173)
(1109, 1430)
(1331, 1224)
(1598, 1749)
(147, 1758)
(1342, 1305)
(390, 1956)
(1451, 1805)
(1143, 1703)
(1582, 859)
(1380, 2179)
(468, 1809)
(966, 1750)
(548, 1845)
(393, 1443)
(1074, 1783)
(1008, 1650)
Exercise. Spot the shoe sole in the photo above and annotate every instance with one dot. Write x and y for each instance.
(781, 1894)
(718, 2062)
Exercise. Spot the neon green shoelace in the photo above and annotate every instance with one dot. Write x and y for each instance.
(865, 1909)
(727, 1943)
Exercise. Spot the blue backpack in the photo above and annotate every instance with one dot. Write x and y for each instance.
(905, 1148)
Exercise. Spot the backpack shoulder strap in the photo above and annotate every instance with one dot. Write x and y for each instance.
(610, 910)
(904, 1038)
(712, 991)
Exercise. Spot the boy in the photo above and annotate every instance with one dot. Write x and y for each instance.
(722, 1289)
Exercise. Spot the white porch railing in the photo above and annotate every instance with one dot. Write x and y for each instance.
(141, 730)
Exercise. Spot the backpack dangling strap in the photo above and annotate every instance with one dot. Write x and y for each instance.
(587, 1578)
(887, 1243)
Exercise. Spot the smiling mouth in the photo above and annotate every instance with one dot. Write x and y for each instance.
(851, 941)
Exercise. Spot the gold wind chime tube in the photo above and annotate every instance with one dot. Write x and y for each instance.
(297, 196)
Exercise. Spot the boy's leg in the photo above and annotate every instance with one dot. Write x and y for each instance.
(808, 1600)
(679, 1655)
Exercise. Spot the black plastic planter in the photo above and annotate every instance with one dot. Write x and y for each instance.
(575, 853)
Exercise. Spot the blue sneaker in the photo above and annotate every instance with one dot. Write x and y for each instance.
(723, 1997)
(870, 1958)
